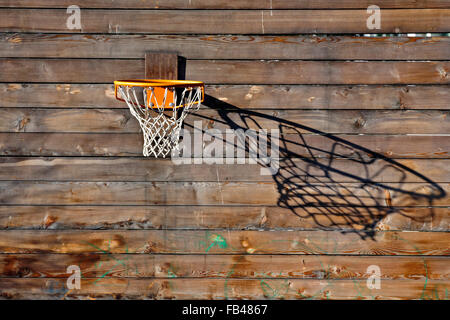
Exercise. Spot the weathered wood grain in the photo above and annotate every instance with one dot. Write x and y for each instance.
(17, 95)
(225, 47)
(33, 95)
(217, 217)
(106, 266)
(55, 70)
(319, 72)
(79, 144)
(329, 121)
(295, 193)
(332, 97)
(231, 71)
(224, 242)
(139, 169)
(222, 4)
(225, 21)
(48, 144)
(284, 289)
(326, 121)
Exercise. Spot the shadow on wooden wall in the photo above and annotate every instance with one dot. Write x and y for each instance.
(306, 179)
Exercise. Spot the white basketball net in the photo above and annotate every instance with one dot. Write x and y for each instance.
(161, 127)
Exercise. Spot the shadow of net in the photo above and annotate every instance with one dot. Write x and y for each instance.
(332, 182)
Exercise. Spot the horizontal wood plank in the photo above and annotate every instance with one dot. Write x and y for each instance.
(105, 266)
(320, 72)
(330, 97)
(139, 169)
(225, 47)
(220, 217)
(231, 72)
(222, 4)
(291, 193)
(224, 242)
(225, 21)
(222, 289)
(326, 121)
(17, 95)
(87, 71)
(349, 146)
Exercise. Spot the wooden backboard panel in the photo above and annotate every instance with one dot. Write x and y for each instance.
(161, 65)
(363, 171)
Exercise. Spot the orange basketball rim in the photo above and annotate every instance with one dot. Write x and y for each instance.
(158, 91)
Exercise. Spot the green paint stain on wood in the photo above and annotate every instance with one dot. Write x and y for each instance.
(217, 240)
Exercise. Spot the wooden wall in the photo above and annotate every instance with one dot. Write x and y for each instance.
(364, 173)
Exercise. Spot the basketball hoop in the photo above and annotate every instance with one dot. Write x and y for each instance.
(160, 106)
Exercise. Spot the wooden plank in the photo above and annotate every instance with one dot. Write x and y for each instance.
(319, 72)
(224, 242)
(231, 71)
(138, 169)
(161, 65)
(72, 144)
(222, 289)
(332, 97)
(312, 47)
(218, 217)
(225, 21)
(17, 95)
(329, 121)
(326, 121)
(79, 144)
(293, 193)
(222, 4)
(55, 70)
(106, 266)
(121, 121)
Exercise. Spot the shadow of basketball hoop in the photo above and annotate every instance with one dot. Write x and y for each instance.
(314, 185)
